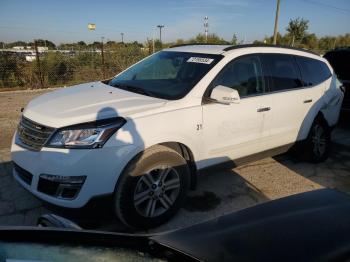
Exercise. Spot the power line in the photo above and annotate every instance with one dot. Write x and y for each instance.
(326, 5)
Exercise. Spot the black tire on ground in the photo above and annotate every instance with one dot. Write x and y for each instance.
(316, 147)
(152, 188)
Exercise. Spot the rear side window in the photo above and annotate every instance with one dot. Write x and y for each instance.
(313, 71)
(283, 71)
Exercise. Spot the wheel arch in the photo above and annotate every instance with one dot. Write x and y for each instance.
(187, 154)
(180, 148)
(307, 124)
(320, 115)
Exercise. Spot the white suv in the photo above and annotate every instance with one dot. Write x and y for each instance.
(143, 136)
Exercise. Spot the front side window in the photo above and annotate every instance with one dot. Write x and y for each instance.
(283, 72)
(243, 74)
(167, 74)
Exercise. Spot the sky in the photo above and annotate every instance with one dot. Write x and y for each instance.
(66, 21)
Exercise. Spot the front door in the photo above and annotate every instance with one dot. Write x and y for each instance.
(237, 130)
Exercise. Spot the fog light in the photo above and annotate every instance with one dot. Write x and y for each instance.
(64, 187)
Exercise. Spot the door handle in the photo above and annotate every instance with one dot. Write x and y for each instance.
(263, 109)
(307, 101)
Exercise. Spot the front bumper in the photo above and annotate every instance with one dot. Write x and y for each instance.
(101, 167)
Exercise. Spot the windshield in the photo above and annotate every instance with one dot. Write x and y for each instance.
(166, 74)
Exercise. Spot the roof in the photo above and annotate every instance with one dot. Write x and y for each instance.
(220, 49)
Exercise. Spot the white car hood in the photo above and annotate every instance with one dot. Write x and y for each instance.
(87, 102)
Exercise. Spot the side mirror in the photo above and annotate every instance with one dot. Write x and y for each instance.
(225, 95)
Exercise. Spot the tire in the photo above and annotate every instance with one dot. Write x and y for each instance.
(318, 142)
(152, 188)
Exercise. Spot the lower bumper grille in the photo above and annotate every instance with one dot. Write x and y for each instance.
(62, 189)
(23, 174)
(48, 187)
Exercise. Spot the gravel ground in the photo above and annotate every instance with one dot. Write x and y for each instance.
(219, 192)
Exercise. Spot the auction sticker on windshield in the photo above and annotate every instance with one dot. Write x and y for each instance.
(201, 60)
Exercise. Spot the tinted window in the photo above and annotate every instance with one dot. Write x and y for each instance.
(283, 71)
(313, 71)
(339, 60)
(243, 74)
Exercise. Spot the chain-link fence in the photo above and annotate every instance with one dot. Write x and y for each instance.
(63, 67)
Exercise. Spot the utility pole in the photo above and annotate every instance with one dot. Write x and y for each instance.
(160, 33)
(40, 75)
(153, 41)
(276, 23)
(206, 25)
(103, 59)
(122, 34)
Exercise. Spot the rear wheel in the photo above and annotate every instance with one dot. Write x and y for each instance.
(317, 144)
(152, 188)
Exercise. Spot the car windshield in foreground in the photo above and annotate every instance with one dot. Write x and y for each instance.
(166, 74)
(24, 251)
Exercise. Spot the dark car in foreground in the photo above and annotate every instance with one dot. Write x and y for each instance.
(340, 61)
(312, 226)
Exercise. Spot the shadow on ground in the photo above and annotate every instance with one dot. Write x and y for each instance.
(218, 193)
(333, 173)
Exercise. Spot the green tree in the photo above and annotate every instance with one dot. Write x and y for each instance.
(41, 42)
(297, 28)
(310, 41)
(11, 70)
(212, 39)
(17, 43)
(179, 42)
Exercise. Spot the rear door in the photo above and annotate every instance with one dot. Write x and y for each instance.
(292, 99)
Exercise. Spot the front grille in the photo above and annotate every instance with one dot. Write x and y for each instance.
(32, 135)
(23, 174)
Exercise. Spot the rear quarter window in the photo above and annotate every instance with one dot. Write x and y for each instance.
(313, 71)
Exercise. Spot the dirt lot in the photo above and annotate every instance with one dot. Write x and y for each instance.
(218, 192)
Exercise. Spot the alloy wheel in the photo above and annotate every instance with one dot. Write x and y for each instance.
(156, 191)
(319, 140)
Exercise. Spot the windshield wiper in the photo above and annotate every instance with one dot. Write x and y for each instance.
(134, 89)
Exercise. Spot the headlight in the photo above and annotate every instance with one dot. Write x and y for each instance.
(88, 135)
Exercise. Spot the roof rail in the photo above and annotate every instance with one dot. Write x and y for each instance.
(268, 45)
(233, 47)
(172, 46)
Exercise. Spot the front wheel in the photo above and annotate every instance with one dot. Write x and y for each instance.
(152, 188)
